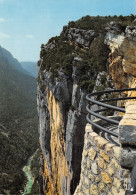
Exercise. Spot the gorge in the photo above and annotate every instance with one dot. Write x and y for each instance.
(91, 54)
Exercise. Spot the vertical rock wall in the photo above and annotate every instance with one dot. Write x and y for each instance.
(62, 114)
(61, 108)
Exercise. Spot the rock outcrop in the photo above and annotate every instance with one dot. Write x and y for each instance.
(63, 82)
(122, 57)
(80, 37)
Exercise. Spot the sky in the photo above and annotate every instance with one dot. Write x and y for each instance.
(26, 24)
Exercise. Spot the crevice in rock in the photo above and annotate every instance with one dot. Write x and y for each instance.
(78, 143)
(128, 146)
(47, 131)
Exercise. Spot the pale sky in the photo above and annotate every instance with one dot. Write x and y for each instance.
(26, 24)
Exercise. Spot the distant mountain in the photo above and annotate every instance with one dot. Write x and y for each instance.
(18, 122)
(30, 67)
(7, 58)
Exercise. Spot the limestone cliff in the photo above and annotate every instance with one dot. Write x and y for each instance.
(62, 123)
(61, 106)
(70, 66)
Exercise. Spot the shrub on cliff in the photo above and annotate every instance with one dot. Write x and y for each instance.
(63, 55)
(93, 60)
(98, 23)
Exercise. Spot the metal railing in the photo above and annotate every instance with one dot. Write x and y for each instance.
(105, 107)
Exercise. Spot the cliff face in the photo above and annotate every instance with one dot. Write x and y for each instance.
(122, 56)
(61, 107)
(70, 66)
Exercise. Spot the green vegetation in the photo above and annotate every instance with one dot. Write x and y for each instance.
(93, 60)
(98, 23)
(18, 123)
(62, 57)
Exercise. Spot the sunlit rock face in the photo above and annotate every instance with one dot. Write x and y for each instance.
(123, 56)
(122, 68)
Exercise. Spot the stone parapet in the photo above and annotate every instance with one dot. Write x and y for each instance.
(101, 172)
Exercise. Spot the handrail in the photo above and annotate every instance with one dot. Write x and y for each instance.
(101, 116)
(100, 127)
(115, 99)
(105, 106)
(111, 91)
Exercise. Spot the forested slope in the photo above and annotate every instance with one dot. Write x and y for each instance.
(18, 122)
